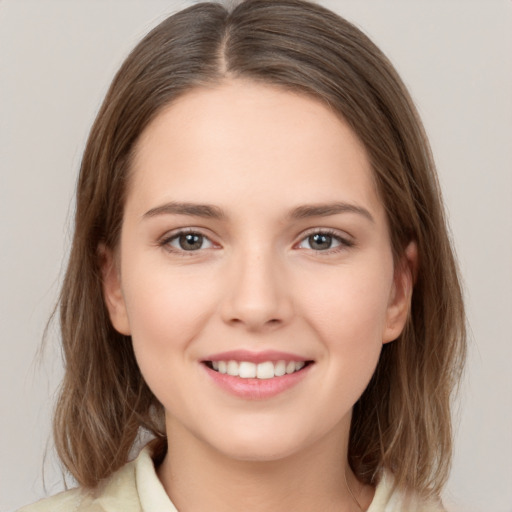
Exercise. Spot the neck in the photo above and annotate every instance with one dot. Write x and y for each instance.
(197, 477)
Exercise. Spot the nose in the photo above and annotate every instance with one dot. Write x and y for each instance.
(258, 296)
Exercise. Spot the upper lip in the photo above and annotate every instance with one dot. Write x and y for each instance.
(255, 357)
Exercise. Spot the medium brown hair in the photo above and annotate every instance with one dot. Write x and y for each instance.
(402, 421)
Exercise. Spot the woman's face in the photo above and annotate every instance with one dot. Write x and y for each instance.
(255, 272)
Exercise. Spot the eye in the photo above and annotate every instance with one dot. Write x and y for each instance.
(188, 241)
(324, 241)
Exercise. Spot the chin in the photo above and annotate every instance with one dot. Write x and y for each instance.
(263, 452)
(259, 444)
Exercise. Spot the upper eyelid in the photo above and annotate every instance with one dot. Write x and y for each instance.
(173, 233)
(164, 240)
(342, 235)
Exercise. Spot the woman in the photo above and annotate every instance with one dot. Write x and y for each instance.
(253, 279)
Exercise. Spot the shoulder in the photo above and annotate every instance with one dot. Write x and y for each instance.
(387, 500)
(118, 492)
(62, 502)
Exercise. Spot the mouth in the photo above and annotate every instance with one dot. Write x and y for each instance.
(259, 375)
(262, 371)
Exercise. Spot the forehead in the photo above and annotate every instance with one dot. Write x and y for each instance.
(245, 139)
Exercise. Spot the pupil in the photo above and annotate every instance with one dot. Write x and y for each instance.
(191, 241)
(320, 241)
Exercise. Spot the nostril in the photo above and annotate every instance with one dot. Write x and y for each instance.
(271, 321)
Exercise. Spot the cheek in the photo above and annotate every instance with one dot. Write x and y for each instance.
(352, 305)
(166, 311)
(348, 315)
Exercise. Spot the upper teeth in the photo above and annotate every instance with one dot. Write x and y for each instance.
(266, 370)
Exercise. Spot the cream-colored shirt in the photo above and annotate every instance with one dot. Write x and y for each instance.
(136, 488)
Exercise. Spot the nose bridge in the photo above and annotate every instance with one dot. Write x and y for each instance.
(257, 295)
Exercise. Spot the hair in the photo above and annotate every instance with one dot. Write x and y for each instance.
(402, 421)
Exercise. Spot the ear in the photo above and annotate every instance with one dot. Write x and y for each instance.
(401, 293)
(112, 291)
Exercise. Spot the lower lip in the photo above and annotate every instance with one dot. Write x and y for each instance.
(257, 389)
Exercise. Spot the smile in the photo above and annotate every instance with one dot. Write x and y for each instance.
(250, 370)
(256, 376)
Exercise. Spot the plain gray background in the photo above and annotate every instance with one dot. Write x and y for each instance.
(57, 58)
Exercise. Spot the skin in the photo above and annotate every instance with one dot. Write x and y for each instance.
(256, 283)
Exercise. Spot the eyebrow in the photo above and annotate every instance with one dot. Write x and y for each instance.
(214, 212)
(327, 209)
(192, 209)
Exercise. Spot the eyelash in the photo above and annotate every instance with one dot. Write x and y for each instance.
(344, 243)
(166, 241)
